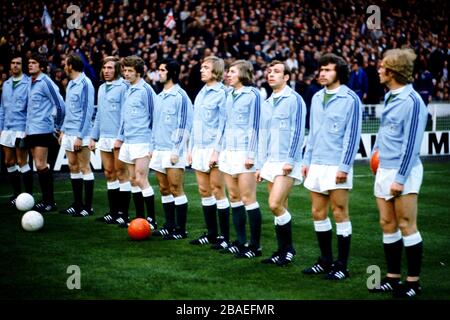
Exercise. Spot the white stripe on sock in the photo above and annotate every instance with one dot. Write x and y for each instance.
(89, 176)
(135, 189)
(223, 203)
(78, 175)
(113, 185)
(389, 238)
(126, 186)
(412, 239)
(322, 225)
(283, 219)
(252, 206)
(25, 168)
(344, 228)
(148, 192)
(236, 204)
(208, 201)
(12, 168)
(181, 200)
(167, 199)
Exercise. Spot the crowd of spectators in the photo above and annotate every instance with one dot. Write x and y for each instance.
(257, 30)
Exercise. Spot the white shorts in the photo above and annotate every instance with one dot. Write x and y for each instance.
(200, 159)
(68, 140)
(322, 178)
(385, 178)
(233, 162)
(129, 152)
(272, 169)
(8, 137)
(161, 161)
(106, 144)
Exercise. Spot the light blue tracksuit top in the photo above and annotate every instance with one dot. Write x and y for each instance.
(282, 129)
(399, 138)
(137, 114)
(209, 117)
(173, 121)
(335, 129)
(43, 100)
(13, 108)
(109, 107)
(241, 130)
(79, 107)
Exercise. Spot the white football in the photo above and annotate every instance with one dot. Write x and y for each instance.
(32, 221)
(24, 202)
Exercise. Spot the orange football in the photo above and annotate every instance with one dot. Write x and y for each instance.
(139, 229)
(374, 162)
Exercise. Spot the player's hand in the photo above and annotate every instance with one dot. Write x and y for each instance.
(77, 144)
(249, 163)
(258, 176)
(189, 158)
(287, 169)
(56, 134)
(305, 171)
(117, 144)
(60, 137)
(150, 154)
(341, 177)
(174, 159)
(214, 161)
(396, 189)
(91, 145)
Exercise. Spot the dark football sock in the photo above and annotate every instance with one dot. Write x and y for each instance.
(181, 208)
(414, 251)
(27, 178)
(255, 222)
(210, 215)
(138, 200)
(14, 178)
(46, 183)
(239, 220)
(77, 188)
(393, 255)
(88, 190)
(168, 204)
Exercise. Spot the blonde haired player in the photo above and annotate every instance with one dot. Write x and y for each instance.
(400, 172)
(204, 147)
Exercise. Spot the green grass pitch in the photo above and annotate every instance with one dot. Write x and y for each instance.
(34, 265)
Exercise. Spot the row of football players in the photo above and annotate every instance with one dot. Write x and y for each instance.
(232, 137)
